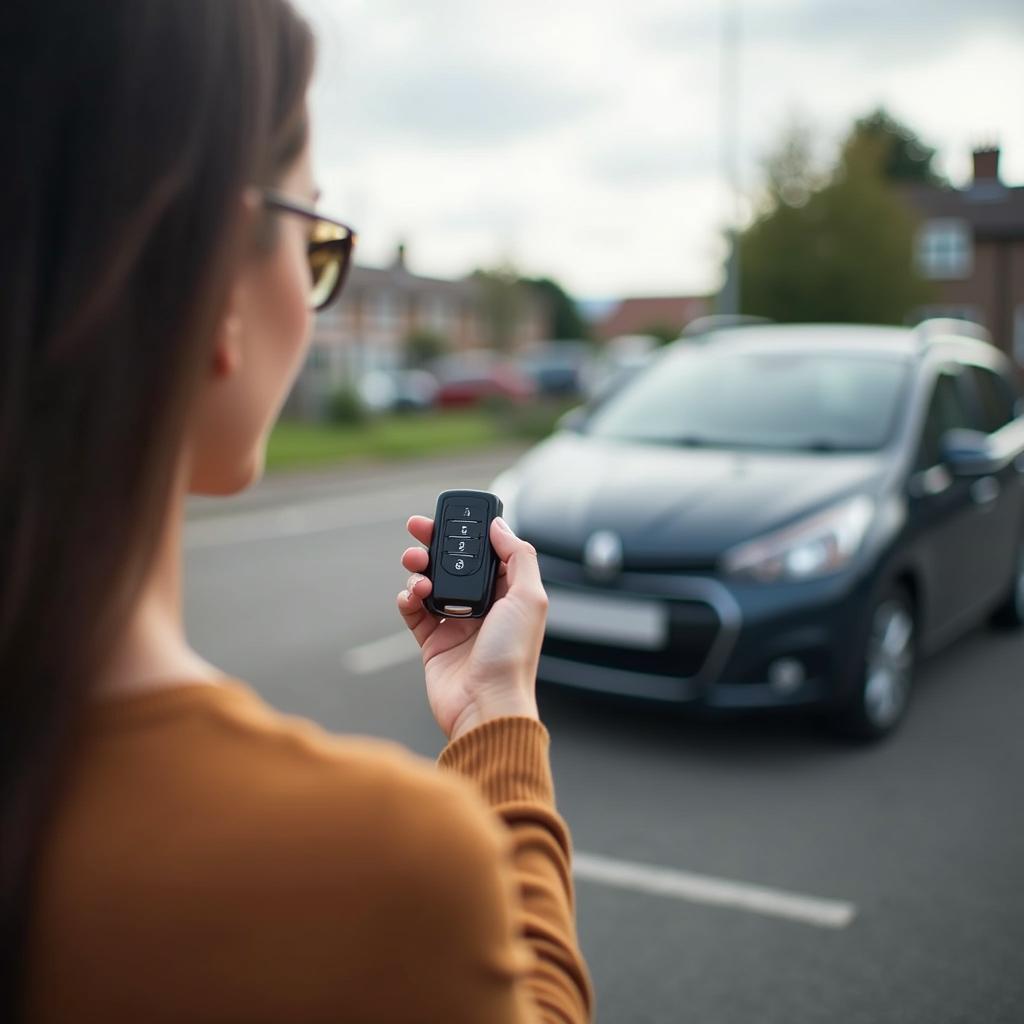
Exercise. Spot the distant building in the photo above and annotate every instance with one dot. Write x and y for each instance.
(378, 310)
(644, 316)
(970, 244)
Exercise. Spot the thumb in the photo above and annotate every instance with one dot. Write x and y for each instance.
(518, 554)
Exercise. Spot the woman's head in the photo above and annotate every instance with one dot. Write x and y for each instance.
(152, 319)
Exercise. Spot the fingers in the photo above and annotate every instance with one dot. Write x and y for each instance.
(421, 527)
(415, 559)
(410, 607)
(520, 556)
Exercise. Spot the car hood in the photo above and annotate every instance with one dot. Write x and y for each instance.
(675, 507)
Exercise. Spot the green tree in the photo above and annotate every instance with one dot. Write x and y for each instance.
(565, 319)
(501, 297)
(904, 157)
(831, 247)
(663, 332)
(424, 345)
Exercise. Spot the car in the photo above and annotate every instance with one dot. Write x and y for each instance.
(781, 516)
(398, 390)
(472, 378)
(557, 367)
(621, 359)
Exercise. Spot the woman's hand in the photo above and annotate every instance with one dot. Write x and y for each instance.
(478, 669)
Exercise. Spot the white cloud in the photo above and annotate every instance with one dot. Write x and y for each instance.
(582, 137)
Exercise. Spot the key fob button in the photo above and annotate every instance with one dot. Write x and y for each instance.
(460, 565)
(468, 508)
(457, 529)
(461, 546)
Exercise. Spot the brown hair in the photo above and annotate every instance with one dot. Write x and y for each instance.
(131, 129)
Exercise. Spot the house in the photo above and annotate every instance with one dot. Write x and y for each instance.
(664, 315)
(379, 309)
(970, 244)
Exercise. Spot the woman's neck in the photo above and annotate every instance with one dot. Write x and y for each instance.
(154, 651)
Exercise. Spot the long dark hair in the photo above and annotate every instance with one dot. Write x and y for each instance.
(130, 130)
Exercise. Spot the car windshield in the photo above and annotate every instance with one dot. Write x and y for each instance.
(783, 400)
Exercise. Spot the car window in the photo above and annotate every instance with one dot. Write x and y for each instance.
(789, 400)
(995, 399)
(947, 411)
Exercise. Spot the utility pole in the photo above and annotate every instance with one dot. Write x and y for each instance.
(729, 297)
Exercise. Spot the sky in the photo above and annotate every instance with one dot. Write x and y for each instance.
(589, 141)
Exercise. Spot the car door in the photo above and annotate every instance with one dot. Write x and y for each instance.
(948, 520)
(999, 495)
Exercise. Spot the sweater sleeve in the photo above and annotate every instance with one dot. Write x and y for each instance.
(508, 760)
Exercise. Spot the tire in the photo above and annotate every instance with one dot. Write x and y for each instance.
(1010, 612)
(885, 676)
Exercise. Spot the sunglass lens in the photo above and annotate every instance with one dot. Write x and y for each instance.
(325, 264)
(330, 251)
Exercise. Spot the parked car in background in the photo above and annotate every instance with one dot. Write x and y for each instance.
(470, 378)
(618, 362)
(557, 367)
(776, 516)
(398, 390)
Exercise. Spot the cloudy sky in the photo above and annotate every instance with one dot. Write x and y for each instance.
(584, 139)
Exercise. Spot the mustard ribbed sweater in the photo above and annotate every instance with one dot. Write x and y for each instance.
(211, 859)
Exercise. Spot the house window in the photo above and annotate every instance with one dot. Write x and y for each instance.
(439, 318)
(386, 310)
(944, 249)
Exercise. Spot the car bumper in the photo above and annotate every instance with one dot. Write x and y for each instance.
(721, 643)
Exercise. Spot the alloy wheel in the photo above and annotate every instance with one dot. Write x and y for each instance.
(890, 663)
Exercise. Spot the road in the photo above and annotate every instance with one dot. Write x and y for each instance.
(894, 874)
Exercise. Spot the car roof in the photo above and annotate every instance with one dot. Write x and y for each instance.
(904, 343)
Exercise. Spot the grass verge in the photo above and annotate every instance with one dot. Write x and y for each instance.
(295, 444)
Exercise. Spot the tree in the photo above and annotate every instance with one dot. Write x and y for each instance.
(501, 304)
(565, 319)
(663, 332)
(905, 158)
(832, 246)
(423, 345)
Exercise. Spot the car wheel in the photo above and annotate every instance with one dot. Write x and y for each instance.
(886, 674)
(1010, 613)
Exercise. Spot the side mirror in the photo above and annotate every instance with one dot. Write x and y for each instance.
(573, 420)
(968, 453)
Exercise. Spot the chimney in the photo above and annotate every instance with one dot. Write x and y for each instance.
(986, 165)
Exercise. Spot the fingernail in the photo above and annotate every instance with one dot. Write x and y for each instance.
(503, 525)
(404, 595)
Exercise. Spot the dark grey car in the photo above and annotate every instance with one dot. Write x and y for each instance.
(781, 515)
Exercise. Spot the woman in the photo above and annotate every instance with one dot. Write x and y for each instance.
(171, 848)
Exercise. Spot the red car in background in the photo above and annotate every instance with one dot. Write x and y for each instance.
(468, 380)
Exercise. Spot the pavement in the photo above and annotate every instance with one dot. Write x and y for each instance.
(727, 870)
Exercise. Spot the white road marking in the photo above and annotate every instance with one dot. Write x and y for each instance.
(363, 510)
(372, 657)
(716, 891)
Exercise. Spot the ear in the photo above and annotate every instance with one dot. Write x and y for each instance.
(227, 353)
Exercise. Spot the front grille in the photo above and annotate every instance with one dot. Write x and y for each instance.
(693, 629)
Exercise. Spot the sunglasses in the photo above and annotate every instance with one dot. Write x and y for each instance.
(329, 252)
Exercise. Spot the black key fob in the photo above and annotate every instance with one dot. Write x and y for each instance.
(462, 565)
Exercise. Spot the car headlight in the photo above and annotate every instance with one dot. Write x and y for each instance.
(506, 486)
(818, 546)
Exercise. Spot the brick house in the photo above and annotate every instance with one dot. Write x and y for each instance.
(643, 315)
(970, 244)
(379, 309)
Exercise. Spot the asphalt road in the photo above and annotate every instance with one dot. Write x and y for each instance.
(917, 843)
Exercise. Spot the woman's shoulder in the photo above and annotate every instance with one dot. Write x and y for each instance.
(209, 823)
(228, 752)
